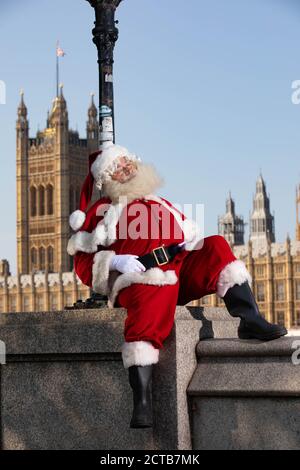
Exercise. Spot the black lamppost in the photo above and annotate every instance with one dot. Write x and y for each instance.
(105, 35)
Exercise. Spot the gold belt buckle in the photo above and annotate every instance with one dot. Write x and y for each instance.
(156, 258)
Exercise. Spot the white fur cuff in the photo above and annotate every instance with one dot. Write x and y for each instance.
(139, 353)
(77, 219)
(101, 271)
(233, 273)
(152, 276)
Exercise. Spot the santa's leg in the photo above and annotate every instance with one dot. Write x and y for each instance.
(150, 317)
(214, 269)
(234, 288)
(139, 354)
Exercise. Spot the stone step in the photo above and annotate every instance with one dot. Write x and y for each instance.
(246, 367)
(245, 395)
(234, 347)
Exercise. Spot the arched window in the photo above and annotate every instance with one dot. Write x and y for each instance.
(53, 302)
(50, 199)
(33, 258)
(71, 263)
(50, 256)
(42, 260)
(33, 201)
(41, 200)
(77, 198)
(71, 199)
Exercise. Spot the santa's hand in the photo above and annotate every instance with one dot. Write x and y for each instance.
(126, 264)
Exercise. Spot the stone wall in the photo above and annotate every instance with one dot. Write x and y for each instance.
(64, 385)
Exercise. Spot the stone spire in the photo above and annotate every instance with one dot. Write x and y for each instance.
(261, 220)
(22, 110)
(92, 127)
(59, 110)
(22, 125)
(22, 149)
(92, 111)
(230, 225)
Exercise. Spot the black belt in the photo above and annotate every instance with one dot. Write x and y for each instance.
(160, 256)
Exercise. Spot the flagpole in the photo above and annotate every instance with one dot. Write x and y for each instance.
(57, 70)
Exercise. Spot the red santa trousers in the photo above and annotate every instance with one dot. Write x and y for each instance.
(151, 309)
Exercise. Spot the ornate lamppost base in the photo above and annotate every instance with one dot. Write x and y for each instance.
(95, 301)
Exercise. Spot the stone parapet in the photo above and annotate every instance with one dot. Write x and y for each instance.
(246, 395)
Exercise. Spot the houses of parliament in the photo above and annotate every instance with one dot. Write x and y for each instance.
(274, 267)
(50, 169)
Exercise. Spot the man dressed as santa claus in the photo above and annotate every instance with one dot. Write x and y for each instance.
(146, 256)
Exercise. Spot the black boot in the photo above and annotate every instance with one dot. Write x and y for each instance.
(240, 302)
(139, 379)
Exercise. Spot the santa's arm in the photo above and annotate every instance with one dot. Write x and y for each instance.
(93, 269)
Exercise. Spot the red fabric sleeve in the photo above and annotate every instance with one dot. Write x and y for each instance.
(83, 265)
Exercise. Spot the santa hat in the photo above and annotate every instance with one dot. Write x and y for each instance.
(102, 165)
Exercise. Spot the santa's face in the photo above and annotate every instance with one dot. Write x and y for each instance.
(131, 179)
(126, 170)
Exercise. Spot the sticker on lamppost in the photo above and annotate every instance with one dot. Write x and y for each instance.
(2, 353)
(106, 128)
(2, 92)
(108, 77)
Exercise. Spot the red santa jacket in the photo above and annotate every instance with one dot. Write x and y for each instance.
(133, 228)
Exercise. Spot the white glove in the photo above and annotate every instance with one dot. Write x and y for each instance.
(126, 264)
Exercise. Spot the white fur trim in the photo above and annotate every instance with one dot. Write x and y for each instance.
(139, 353)
(191, 231)
(104, 234)
(77, 219)
(192, 234)
(101, 271)
(153, 276)
(233, 273)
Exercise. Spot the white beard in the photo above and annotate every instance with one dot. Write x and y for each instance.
(145, 182)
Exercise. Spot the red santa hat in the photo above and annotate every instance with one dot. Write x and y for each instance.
(102, 165)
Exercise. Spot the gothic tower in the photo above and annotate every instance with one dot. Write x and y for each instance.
(51, 168)
(230, 225)
(262, 221)
(92, 127)
(59, 135)
(22, 131)
(298, 212)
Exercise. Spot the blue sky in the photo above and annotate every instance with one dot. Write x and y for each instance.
(201, 90)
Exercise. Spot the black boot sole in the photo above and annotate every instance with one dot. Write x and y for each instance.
(262, 337)
(140, 424)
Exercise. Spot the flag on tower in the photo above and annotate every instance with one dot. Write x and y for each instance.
(59, 51)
